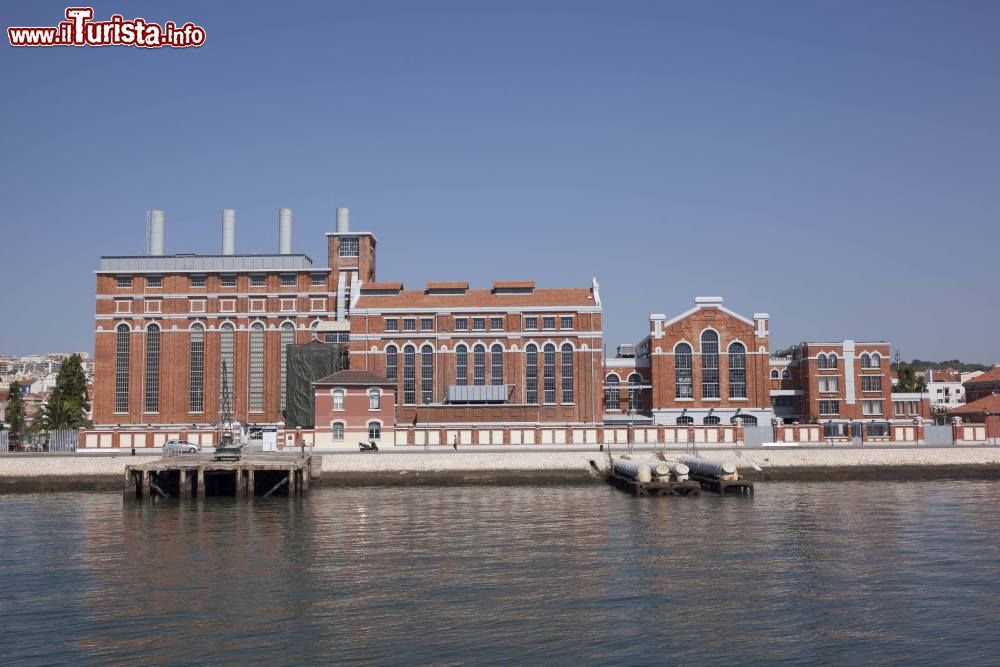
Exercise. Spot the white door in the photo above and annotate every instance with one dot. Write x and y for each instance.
(270, 441)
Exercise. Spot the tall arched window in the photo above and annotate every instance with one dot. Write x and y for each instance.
(256, 396)
(821, 360)
(374, 399)
(287, 338)
(831, 361)
(531, 373)
(567, 373)
(549, 372)
(409, 375)
(737, 371)
(227, 368)
(337, 399)
(709, 364)
(123, 344)
(876, 360)
(774, 374)
(496, 364)
(427, 374)
(683, 378)
(338, 431)
(612, 402)
(391, 361)
(152, 394)
(461, 365)
(634, 392)
(196, 369)
(374, 431)
(479, 364)
(866, 360)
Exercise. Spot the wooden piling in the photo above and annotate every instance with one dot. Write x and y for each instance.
(201, 483)
(145, 485)
(240, 489)
(250, 483)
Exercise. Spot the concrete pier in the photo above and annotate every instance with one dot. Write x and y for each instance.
(200, 476)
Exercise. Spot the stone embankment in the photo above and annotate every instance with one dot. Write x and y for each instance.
(88, 472)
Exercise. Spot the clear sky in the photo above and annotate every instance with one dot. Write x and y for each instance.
(835, 164)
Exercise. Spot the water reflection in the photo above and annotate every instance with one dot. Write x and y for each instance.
(802, 573)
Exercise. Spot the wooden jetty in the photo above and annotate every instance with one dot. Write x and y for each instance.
(655, 487)
(724, 487)
(201, 476)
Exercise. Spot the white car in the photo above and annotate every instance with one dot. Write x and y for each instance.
(180, 447)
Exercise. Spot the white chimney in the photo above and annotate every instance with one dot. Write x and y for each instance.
(228, 231)
(343, 220)
(285, 231)
(155, 221)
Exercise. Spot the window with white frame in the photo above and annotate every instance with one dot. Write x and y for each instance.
(531, 373)
(256, 393)
(634, 392)
(898, 409)
(567, 368)
(479, 364)
(123, 282)
(154, 305)
(288, 280)
(821, 361)
(774, 374)
(287, 338)
(426, 374)
(154, 282)
(871, 408)
(374, 399)
(876, 360)
(196, 369)
(866, 360)
(566, 322)
(391, 360)
(198, 280)
(257, 305)
(317, 279)
(228, 280)
(123, 305)
(549, 322)
(349, 246)
(612, 399)
(531, 322)
(709, 364)
(317, 305)
(427, 324)
(737, 371)
(683, 371)
(337, 431)
(871, 383)
(549, 372)
(461, 366)
(227, 305)
(685, 420)
(479, 324)
(391, 324)
(461, 324)
(711, 420)
(831, 360)
(258, 280)
(409, 375)
(496, 323)
(914, 407)
(197, 305)
(152, 403)
(829, 407)
(287, 305)
(409, 324)
(227, 366)
(337, 396)
(123, 342)
(496, 364)
(374, 431)
(340, 337)
(828, 383)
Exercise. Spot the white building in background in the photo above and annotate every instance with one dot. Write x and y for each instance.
(945, 388)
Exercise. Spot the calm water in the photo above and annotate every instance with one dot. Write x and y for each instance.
(901, 573)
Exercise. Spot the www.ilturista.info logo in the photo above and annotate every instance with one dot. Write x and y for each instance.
(80, 30)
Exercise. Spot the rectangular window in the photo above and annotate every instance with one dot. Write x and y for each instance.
(123, 306)
(288, 280)
(530, 322)
(228, 280)
(479, 324)
(257, 305)
(427, 324)
(871, 408)
(317, 279)
(548, 322)
(496, 323)
(461, 324)
(827, 383)
(871, 383)
(124, 282)
(914, 407)
(154, 305)
(566, 322)
(877, 430)
(198, 281)
(287, 305)
(349, 246)
(196, 305)
(227, 305)
(836, 430)
(258, 280)
(829, 407)
(897, 408)
(391, 324)
(339, 337)
(409, 324)
(317, 305)
(154, 282)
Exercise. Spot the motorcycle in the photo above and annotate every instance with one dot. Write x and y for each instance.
(370, 446)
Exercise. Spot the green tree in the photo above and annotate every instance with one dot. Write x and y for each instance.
(15, 412)
(69, 402)
(909, 381)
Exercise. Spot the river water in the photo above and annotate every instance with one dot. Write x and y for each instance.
(849, 573)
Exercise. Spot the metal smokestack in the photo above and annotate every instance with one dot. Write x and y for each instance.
(285, 231)
(228, 231)
(155, 221)
(343, 220)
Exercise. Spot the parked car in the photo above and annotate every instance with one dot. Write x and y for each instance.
(180, 447)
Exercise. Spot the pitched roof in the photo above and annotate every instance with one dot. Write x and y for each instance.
(481, 299)
(992, 375)
(354, 378)
(987, 404)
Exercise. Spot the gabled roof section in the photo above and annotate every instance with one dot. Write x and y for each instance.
(702, 303)
(992, 375)
(985, 405)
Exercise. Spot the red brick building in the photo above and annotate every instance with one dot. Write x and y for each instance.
(354, 406)
(983, 385)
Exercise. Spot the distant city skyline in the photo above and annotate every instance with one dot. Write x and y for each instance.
(832, 165)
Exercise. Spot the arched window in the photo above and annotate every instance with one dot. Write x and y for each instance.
(496, 364)
(634, 392)
(866, 360)
(479, 364)
(549, 372)
(709, 364)
(683, 378)
(748, 420)
(685, 420)
(391, 361)
(287, 338)
(786, 374)
(152, 402)
(774, 374)
(612, 401)
(374, 399)
(374, 431)
(256, 396)
(876, 360)
(567, 373)
(737, 371)
(337, 396)
(426, 374)
(821, 360)
(831, 361)
(123, 343)
(227, 368)
(711, 420)
(461, 365)
(409, 375)
(531, 373)
(338, 431)
(196, 369)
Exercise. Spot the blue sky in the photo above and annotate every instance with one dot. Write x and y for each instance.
(835, 164)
